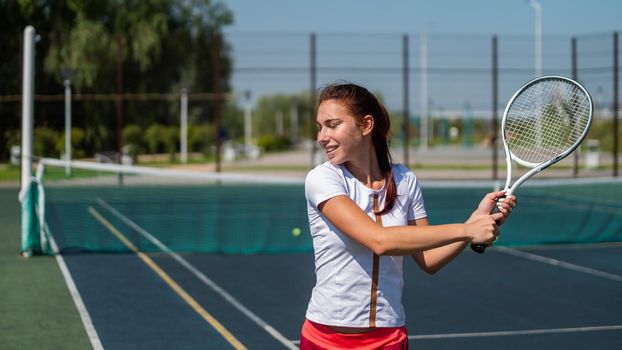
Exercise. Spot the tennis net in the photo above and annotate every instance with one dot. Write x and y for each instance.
(549, 211)
(246, 214)
(185, 211)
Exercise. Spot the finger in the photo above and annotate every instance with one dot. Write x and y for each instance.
(497, 216)
(495, 195)
(511, 200)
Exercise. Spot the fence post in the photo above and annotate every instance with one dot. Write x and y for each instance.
(615, 103)
(495, 91)
(405, 126)
(312, 96)
(573, 59)
(217, 106)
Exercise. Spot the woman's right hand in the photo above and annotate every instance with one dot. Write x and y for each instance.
(483, 229)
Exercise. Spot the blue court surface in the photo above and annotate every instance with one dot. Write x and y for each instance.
(555, 297)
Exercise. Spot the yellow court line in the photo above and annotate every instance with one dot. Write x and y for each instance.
(176, 287)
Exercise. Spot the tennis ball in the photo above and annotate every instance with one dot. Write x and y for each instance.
(296, 231)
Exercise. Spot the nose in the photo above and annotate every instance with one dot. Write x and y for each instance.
(322, 136)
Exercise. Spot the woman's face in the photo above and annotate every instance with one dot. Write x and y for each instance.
(338, 132)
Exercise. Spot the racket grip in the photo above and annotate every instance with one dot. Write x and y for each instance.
(481, 248)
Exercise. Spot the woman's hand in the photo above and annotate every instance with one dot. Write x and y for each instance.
(484, 229)
(489, 201)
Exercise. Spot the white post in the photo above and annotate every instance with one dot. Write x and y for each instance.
(293, 124)
(538, 59)
(28, 88)
(67, 127)
(279, 122)
(424, 93)
(538, 32)
(183, 144)
(248, 133)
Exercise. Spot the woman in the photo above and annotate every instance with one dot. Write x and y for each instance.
(365, 213)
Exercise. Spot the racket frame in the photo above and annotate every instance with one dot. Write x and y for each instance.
(538, 167)
(535, 167)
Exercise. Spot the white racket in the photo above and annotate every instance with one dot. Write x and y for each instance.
(544, 122)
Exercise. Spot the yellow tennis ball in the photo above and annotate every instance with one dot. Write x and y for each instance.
(296, 231)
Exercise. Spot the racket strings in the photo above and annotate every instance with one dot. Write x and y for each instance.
(546, 119)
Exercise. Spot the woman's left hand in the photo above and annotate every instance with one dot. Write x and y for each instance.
(488, 203)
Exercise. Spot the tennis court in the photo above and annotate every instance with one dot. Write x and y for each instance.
(216, 263)
(503, 300)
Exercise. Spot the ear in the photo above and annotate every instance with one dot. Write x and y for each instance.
(368, 125)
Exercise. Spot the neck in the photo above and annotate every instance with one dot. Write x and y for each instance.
(366, 169)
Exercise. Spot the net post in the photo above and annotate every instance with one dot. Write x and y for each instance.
(28, 88)
(27, 195)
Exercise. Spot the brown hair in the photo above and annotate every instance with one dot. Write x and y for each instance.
(360, 102)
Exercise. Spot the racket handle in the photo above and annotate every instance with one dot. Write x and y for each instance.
(481, 248)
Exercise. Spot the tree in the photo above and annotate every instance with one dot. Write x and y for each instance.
(121, 47)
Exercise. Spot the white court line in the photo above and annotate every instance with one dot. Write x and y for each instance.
(511, 333)
(198, 274)
(559, 263)
(91, 332)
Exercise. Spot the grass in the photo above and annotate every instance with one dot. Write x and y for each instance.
(9, 173)
(37, 311)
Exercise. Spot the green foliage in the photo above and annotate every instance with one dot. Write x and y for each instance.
(132, 135)
(45, 141)
(12, 137)
(273, 143)
(160, 138)
(601, 130)
(152, 138)
(170, 140)
(77, 143)
(268, 108)
(200, 138)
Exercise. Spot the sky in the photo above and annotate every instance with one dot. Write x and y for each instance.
(559, 17)
(512, 20)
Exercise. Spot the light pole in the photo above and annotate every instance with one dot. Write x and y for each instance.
(423, 143)
(248, 127)
(67, 126)
(183, 112)
(68, 75)
(538, 32)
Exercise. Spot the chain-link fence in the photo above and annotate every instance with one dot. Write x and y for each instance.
(440, 89)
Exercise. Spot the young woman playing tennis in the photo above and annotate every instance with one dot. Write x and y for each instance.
(365, 214)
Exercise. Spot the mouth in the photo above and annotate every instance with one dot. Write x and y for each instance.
(330, 149)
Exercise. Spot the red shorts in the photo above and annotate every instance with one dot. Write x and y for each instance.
(316, 336)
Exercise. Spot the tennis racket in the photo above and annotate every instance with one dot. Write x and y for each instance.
(543, 123)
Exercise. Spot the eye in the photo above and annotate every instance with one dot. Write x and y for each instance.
(333, 124)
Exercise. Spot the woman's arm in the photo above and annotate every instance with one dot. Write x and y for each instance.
(431, 261)
(342, 212)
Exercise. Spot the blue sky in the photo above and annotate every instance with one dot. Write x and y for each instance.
(559, 17)
(372, 38)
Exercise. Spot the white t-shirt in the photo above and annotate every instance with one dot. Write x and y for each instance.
(343, 267)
